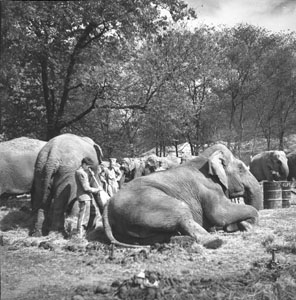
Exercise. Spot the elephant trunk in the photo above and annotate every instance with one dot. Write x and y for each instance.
(253, 194)
(284, 171)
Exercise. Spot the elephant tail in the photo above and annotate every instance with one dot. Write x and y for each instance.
(45, 167)
(47, 176)
(109, 233)
(42, 190)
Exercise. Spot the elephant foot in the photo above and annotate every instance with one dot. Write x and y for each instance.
(240, 226)
(231, 227)
(215, 229)
(36, 233)
(245, 226)
(213, 244)
(65, 234)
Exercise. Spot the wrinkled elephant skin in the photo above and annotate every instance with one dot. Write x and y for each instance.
(17, 161)
(270, 165)
(187, 199)
(54, 187)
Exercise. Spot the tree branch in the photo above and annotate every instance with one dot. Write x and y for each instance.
(75, 86)
(81, 115)
(70, 70)
(131, 106)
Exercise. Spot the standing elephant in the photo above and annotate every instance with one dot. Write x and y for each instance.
(17, 161)
(132, 168)
(188, 199)
(54, 187)
(292, 165)
(136, 167)
(167, 162)
(270, 165)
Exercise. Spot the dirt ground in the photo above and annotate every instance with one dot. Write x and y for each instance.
(260, 264)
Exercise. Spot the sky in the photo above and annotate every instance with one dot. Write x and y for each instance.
(274, 15)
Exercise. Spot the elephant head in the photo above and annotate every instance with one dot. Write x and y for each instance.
(151, 164)
(233, 174)
(187, 199)
(278, 164)
(155, 163)
(270, 165)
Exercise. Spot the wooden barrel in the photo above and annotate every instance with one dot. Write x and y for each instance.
(272, 194)
(286, 193)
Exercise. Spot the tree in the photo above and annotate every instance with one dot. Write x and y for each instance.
(242, 49)
(61, 40)
(276, 104)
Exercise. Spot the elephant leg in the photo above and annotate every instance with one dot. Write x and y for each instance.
(239, 226)
(62, 197)
(58, 215)
(193, 229)
(160, 213)
(231, 216)
(38, 224)
(41, 220)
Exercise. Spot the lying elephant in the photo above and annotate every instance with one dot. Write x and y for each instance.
(188, 199)
(54, 187)
(270, 165)
(17, 161)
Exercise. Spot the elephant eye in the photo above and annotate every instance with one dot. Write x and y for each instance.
(241, 168)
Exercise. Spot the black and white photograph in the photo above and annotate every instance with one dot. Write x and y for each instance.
(148, 150)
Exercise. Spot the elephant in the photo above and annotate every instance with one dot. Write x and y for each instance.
(292, 165)
(167, 162)
(17, 161)
(189, 199)
(270, 165)
(54, 186)
(135, 167)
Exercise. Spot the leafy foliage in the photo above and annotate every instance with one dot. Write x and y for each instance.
(132, 76)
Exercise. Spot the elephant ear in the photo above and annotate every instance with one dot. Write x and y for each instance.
(217, 167)
(99, 153)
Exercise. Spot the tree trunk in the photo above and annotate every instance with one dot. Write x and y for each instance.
(156, 149)
(176, 147)
(52, 131)
(281, 140)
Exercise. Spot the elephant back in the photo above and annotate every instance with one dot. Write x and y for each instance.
(57, 162)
